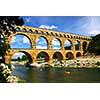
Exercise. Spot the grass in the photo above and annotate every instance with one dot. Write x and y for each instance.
(20, 80)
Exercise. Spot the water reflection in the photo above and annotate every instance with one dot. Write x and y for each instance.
(56, 75)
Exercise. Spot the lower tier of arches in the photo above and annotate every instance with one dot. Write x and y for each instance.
(46, 55)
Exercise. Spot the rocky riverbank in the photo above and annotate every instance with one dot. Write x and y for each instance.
(86, 62)
(90, 62)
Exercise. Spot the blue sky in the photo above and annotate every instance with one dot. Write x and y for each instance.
(83, 25)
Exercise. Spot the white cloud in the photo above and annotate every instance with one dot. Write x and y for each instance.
(41, 47)
(25, 40)
(28, 19)
(85, 25)
(18, 39)
(76, 42)
(13, 39)
(94, 32)
(18, 54)
(48, 27)
(37, 40)
(56, 48)
(55, 42)
(67, 43)
(41, 41)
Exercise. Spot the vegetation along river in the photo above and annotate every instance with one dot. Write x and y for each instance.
(57, 75)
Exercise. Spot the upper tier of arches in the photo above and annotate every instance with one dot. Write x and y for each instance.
(42, 31)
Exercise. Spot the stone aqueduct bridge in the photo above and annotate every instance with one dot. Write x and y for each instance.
(32, 33)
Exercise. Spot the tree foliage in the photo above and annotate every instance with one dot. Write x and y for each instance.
(24, 57)
(94, 45)
(6, 25)
(67, 47)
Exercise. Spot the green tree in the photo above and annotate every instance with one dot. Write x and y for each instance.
(77, 46)
(18, 59)
(24, 58)
(67, 47)
(6, 25)
(94, 45)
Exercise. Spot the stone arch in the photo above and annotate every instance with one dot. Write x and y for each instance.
(58, 55)
(55, 43)
(29, 60)
(64, 35)
(56, 34)
(30, 31)
(47, 33)
(43, 56)
(71, 36)
(78, 54)
(77, 45)
(69, 55)
(61, 35)
(18, 29)
(36, 32)
(68, 44)
(68, 36)
(24, 30)
(84, 45)
(41, 32)
(42, 43)
(52, 34)
(26, 36)
(76, 37)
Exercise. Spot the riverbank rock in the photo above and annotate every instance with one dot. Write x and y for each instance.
(36, 65)
(66, 73)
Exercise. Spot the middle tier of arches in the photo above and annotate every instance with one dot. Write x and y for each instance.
(43, 42)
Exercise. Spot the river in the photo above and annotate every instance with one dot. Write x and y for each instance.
(57, 75)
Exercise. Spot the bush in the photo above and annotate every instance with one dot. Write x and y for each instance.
(94, 45)
(6, 75)
(97, 63)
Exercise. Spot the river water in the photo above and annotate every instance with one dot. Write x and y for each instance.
(57, 75)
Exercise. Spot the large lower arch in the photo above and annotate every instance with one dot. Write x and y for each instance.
(58, 55)
(69, 55)
(43, 55)
(29, 58)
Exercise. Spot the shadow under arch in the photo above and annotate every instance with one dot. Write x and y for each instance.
(28, 56)
(58, 56)
(77, 45)
(84, 45)
(43, 56)
(69, 55)
(78, 54)
(22, 41)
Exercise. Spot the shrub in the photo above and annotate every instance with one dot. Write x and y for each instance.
(97, 63)
(6, 75)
